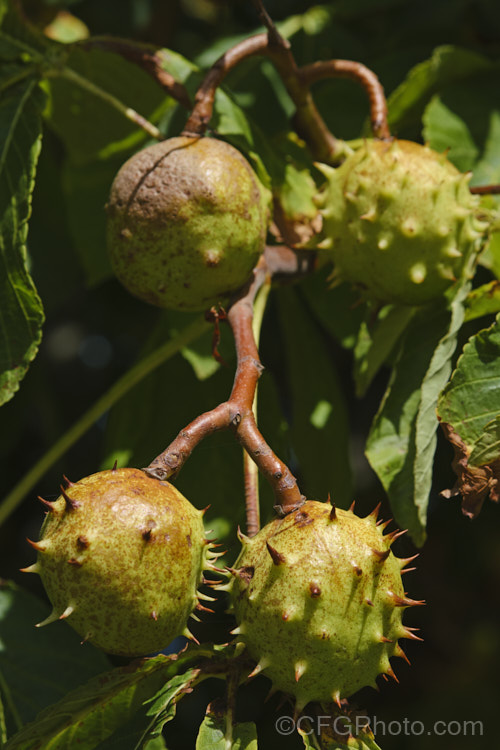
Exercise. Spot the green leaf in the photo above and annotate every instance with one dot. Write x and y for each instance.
(213, 734)
(89, 715)
(487, 171)
(470, 403)
(38, 666)
(490, 256)
(87, 124)
(18, 38)
(295, 211)
(444, 130)
(436, 377)
(12, 73)
(86, 192)
(66, 28)
(375, 345)
(447, 64)
(229, 118)
(486, 449)
(158, 743)
(142, 731)
(21, 314)
(3, 723)
(297, 192)
(162, 706)
(485, 300)
(178, 66)
(329, 307)
(275, 428)
(307, 735)
(318, 418)
(50, 244)
(402, 439)
(466, 119)
(230, 121)
(200, 356)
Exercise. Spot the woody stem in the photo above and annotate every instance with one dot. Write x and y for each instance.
(236, 413)
(308, 121)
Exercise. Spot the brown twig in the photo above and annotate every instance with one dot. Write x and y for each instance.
(309, 122)
(250, 469)
(485, 189)
(146, 57)
(236, 413)
(317, 71)
(202, 111)
(266, 20)
(251, 484)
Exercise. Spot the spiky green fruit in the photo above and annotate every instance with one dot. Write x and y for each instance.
(121, 556)
(187, 222)
(318, 599)
(400, 222)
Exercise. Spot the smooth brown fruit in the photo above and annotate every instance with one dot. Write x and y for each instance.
(187, 222)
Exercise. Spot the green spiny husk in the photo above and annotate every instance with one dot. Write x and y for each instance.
(121, 556)
(318, 599)
(400, 222)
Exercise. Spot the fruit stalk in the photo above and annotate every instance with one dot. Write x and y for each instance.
(236, 413)
(485, 189)
(309, 122)
(317, 71)
(250, 469)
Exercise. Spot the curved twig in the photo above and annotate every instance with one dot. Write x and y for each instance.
(309, 122)
(317, 71)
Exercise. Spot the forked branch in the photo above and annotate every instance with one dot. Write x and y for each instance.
(309, 122)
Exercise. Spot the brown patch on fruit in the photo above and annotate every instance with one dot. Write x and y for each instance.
(246, 573)
(212, 258)
(302, 519)
(82, 542)
(186, 206)
(314, 590)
